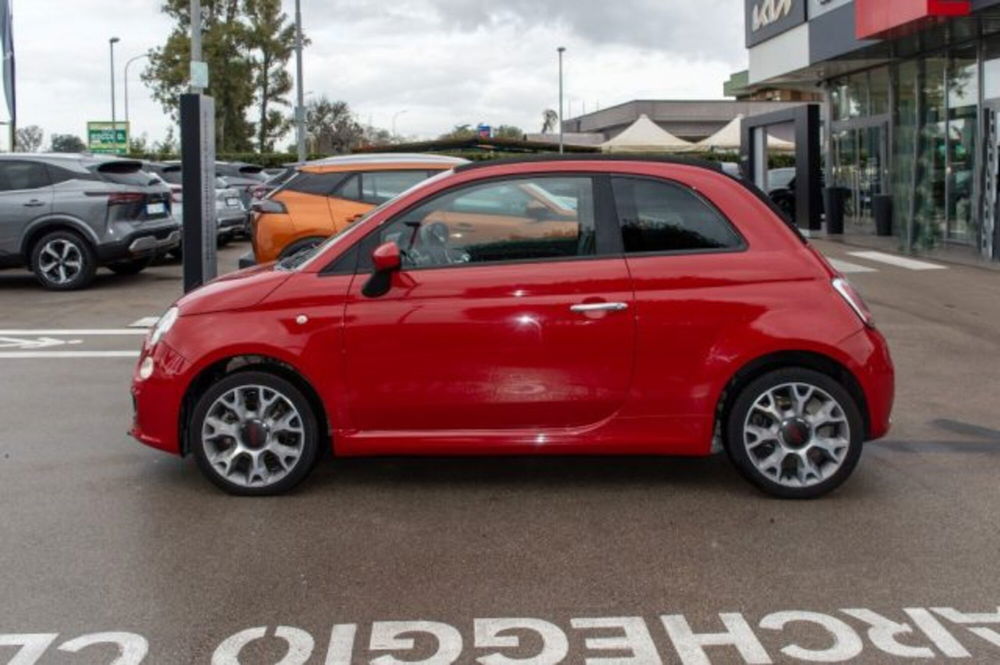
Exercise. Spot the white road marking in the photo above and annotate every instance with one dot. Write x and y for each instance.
(847, 267)
(36, 343)
(898, 261)
(844, 635)
(144, 322)
(84, 332)
(69, 354)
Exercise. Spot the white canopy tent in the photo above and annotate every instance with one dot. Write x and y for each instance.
(730, 139)
(644, 135)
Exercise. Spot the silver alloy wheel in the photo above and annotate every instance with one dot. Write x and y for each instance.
(60, 261)
(796, 434)
(253, 435)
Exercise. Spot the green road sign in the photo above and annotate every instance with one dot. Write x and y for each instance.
(102, 137)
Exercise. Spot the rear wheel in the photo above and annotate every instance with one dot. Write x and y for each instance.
(795, 433)
(63, 261)
(254, 433)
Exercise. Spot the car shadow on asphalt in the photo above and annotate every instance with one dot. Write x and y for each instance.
(684, 475)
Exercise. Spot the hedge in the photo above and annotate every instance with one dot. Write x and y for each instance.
(278, 159)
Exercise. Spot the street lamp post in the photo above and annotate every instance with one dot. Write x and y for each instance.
(300, 111)
(394, 116)
(561, 50)
(114, 120)
(130, 61)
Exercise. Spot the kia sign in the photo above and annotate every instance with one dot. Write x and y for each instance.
(768, 18)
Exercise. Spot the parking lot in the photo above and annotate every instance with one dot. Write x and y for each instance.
(107, 542)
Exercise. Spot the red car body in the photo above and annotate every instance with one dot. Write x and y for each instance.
(489, 359)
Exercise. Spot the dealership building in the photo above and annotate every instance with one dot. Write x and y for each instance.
(911, 96)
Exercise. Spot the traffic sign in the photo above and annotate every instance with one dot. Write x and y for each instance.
(107, 138)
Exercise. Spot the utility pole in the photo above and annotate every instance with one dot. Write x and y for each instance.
(561, 50)
(198, 168)
(114, 120)
(300, 110)
(195, 44)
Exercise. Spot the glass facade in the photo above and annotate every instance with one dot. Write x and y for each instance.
(918, 130)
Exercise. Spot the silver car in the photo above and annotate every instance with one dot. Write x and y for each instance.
(230, 212)
(63, 215)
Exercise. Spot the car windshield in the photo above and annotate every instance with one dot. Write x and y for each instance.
(302, 258)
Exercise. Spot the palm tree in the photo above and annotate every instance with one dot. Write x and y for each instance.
(549, 120)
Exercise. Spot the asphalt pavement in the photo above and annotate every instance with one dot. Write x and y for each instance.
(109, 549)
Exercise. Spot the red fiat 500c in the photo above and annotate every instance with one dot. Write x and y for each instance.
(557, 306)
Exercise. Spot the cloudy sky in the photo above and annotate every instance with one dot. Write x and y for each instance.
(437, 63)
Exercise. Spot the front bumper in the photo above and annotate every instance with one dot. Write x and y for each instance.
(157, 401)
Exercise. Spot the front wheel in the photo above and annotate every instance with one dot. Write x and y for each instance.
(254, 433)
(795, 433)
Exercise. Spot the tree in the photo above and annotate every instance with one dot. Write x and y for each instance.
(271, 39)
(225, 47)
(169, 144)
(376, 136)
(549, 120)
(29, 139)
(459, 132)
(331, 127)
(67, 143)
(509, 132)
(138, 145)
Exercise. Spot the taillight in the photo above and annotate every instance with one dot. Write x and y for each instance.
(854, 299)
(124, 198)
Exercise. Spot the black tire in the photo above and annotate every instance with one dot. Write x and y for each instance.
(737, 417)
(308, 442)
(132, 267)
(223, 240)
(81, 261)
(176, 253)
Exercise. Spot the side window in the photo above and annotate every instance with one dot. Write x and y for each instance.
(658, 216)
(320, 184)
(350, 189)
(377, 187)
(506, 220)
(23, 175)
(59, 174)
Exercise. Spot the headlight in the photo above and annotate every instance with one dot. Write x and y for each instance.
(165, 323)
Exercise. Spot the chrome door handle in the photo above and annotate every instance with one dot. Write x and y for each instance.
(599, 307)
(34, 203)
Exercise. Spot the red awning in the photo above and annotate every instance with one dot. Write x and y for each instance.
(877, 19)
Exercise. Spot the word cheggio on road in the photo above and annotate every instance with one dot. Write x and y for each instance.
(915, 633)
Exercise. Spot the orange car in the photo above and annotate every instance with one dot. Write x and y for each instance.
(326, 195)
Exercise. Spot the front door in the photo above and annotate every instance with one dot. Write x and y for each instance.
(25, 195)
(492, 325)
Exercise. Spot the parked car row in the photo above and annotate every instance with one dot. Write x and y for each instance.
(230, 211)
(62, 216)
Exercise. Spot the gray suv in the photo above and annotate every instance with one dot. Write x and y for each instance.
(64, 215)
